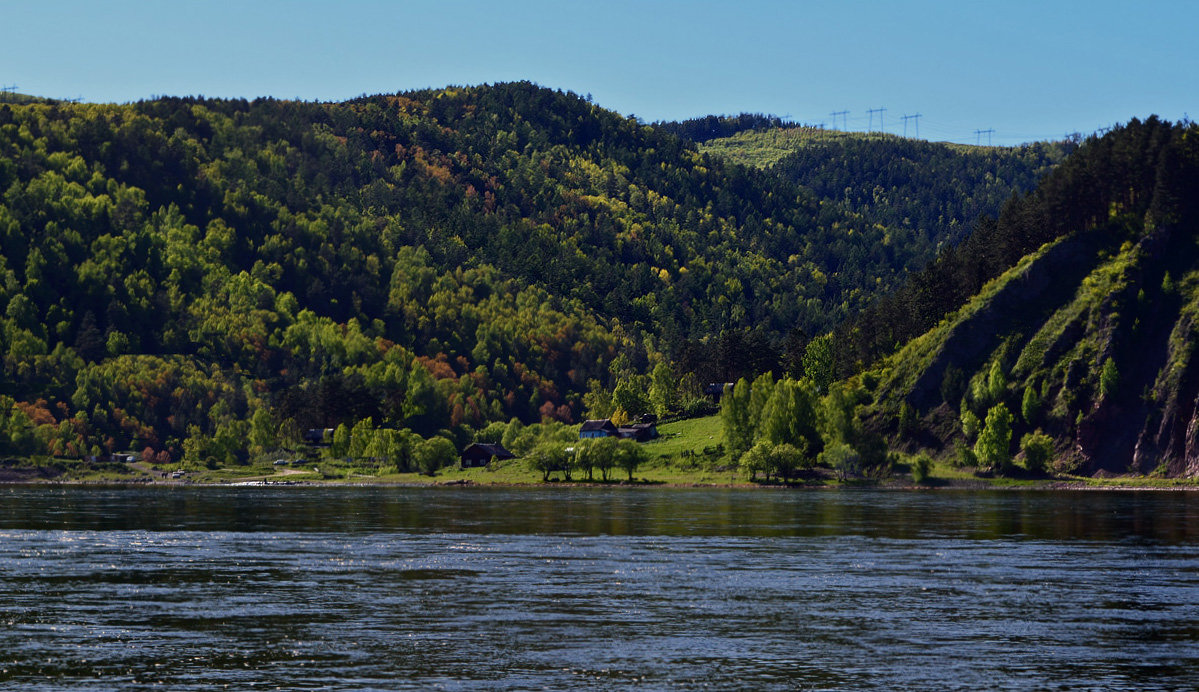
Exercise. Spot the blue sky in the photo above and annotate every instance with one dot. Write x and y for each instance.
(1027, 70)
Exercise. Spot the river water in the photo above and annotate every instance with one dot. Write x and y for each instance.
(571, 588)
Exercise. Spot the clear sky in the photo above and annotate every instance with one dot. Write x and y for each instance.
(1026, 69)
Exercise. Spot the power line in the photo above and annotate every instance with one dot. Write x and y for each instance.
(8, 89)
(844, 118)
(978, 136)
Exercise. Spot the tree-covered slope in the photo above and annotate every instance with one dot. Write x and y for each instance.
(1074, 312)
(187, 275)
(924, 197)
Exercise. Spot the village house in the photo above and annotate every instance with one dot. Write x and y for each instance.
(640, 432)
(480, 454)
(597, 428)
(716, 390)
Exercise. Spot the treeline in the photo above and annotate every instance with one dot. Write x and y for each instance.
(783, 428)
(709, 127)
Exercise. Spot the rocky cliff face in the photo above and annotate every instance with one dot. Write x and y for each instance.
(1102, 325)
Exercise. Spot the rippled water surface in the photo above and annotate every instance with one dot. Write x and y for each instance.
(573, 588)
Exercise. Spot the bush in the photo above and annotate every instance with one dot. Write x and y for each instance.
(842, 458)
(965, 455)
(921, 468)
(1038, 450)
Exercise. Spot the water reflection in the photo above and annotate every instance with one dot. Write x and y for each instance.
(1169, 517)
(350, 588)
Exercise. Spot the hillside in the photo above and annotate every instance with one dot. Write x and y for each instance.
(923, 196)
(1075, 312)
(185, 275)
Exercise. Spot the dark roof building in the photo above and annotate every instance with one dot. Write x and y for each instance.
(479, 454)
(716, 389)
(641, 432)
(598, 428)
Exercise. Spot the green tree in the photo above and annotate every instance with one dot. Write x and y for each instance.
(819, 364)
(433, 454)
(1030, 406)
(996, 382)
(341, 442)
(785, 459)
(360, 438)
(263, 431)
(734, 413)
(756, 459)
(843, 459)
(630, 397)
(630, 455)
(663, 390)
(1038, 451)
(994, 442)
(599, 453)
(970, 422)
(548, 458)
(598, 401)
(789, 417)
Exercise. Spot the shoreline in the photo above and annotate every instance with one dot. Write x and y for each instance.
(1104, 485)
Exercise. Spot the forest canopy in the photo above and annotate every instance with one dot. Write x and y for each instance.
(182, 275)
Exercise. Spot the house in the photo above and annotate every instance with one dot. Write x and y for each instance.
(320, 437)
(598, 428)
(716, 390)
(640, 432)
(479, 454)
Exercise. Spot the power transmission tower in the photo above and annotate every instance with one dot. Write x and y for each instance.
(880, 112)
(906, 118)
(6, 90)
(988, 132)
(978, 135)
(844, 119)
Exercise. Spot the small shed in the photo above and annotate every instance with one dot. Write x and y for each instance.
(480, 454)
(598, 428)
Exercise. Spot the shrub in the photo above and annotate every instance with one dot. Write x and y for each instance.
(1038, 450)
(921, 468)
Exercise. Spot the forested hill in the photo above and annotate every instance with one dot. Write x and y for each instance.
(1073, 317)
(188, 274)
(926, 195)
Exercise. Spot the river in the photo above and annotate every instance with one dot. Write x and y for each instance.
(575, 588)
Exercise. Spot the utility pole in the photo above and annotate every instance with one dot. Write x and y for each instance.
(844, 119)
(880, 112)
(906, 118)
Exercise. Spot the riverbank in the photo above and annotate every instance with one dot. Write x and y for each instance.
(512, 475)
